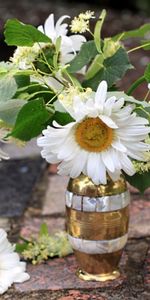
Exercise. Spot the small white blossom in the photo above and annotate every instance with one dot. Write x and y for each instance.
(25, 56)
(79, 25)
(149, 86)
(87, 15)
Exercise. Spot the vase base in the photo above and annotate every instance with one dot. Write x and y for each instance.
(97, 277)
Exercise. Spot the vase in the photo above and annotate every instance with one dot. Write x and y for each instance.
(97, 225)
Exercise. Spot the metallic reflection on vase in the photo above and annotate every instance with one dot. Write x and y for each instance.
(97, 221)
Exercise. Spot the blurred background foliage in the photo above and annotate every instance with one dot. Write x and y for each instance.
(121, 15)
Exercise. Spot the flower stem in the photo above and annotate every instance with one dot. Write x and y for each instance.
(147, 94)
(135, 85)
(139, 47)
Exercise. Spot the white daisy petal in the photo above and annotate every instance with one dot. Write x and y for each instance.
(100, 172)
(77, 41)
(109, 105)
(108, 121)
(11, 268)
(100, 95)
(118, 104)
(49, 27)
(79, 164)
(127, 165)
(61, 28)
(118, 145)
(108, 161)
(115, 175)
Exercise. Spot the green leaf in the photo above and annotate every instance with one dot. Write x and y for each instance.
(97, 31)
(96, 65)
(10, 109)
(143, 112)
(62, 118)
(140, 181)
(21, 247)
(8, 87)
(22, 80)
(43, 229)
(136, 33)
(113, 70)
(87, 52)
(147, 73)
(30, 120)
(19, 34)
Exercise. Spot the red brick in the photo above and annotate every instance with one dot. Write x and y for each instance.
(59, 274)
(139, 219)
(52, 169)
(31, 226)
(77, 295)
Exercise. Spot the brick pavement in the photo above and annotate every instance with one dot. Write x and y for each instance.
(56, 280)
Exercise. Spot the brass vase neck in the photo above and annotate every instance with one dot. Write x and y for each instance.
(83, 185)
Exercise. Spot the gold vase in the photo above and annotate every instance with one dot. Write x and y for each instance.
(97, 224)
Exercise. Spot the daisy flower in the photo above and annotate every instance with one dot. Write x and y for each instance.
(11, 268)
(103, 138)
(69, 44)
(24, 56)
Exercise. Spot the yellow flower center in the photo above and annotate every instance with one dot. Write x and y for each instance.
(93, 135)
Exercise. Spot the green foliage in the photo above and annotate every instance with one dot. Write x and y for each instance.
(87, 52)
(113, 70)
(143, 112)
(147, 73)
(45, 60)
(43, 230)
(140, 181)
(136, 33)
(45, 246)
(30, 120)
(96, 65)
(97, 31)
(8, 87)
(19, 34)
(21, 247)
(10, 109)
(22, 80)
(61, 118)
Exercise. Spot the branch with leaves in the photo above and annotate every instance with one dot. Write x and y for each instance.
(50, 68)
(45, 246)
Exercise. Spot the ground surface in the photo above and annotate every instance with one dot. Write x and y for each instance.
(56, 279)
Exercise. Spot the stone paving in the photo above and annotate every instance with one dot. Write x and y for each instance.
(56, 279)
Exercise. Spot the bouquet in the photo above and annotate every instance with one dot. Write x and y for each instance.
(65, 87)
